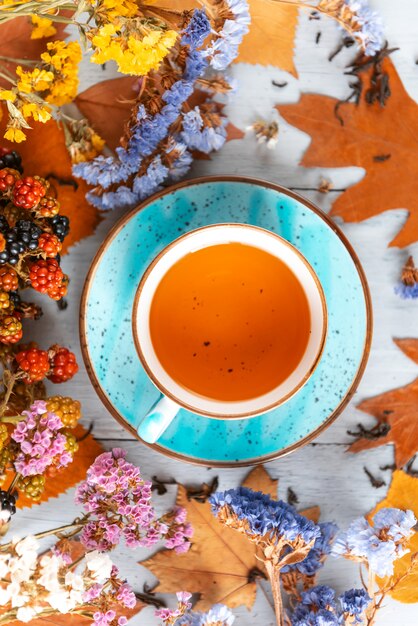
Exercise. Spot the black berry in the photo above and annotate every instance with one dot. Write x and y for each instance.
(60, 225)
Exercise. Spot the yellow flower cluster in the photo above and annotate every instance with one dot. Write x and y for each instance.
(62, 59)
(133, 55)
(111, 10)
(42, 27)
(54, 82)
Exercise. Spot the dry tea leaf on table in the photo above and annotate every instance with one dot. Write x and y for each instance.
(403, 494)
(44, 154)
(382, 140)
(222, 565)
(399, 409)
(70, 476)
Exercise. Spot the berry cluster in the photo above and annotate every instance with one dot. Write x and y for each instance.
(31, 236)
(57, 364)
(35, 437)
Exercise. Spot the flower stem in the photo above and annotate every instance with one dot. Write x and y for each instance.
(274, 576)
(13, 483)
(47, 533)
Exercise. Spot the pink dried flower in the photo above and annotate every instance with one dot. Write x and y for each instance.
(118, 501)
(40, 440)
(126, 597)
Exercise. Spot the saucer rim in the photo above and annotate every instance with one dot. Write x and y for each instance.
(113, 233)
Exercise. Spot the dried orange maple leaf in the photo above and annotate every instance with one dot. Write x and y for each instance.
(76, 550)
(271, 39)
(68, 477)
(399, 409)
(403, 494)
(107, 106)
(382, 140)
(44, 154)
(222, 565)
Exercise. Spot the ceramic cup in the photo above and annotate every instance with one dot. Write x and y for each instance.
(174, 397)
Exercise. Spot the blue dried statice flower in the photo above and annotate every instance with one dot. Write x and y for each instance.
(407, 292)
(354, 602)
(321, 548)
(260, 515)
(197, 31)
(149, 131)
(380, 545)
(225, 48)
(371, 34)
(218, 615)
(316, 608)
(197, 136)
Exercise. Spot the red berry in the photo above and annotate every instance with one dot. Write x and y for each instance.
(8, 279)
(48, 207)
(50, 245)
(8, 179)
(63, 364)
(27, 192)
(35, 363)
(46, 276)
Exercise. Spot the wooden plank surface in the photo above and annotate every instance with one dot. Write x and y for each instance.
(321, 473)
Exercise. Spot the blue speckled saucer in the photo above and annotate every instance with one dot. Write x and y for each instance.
(106, 330)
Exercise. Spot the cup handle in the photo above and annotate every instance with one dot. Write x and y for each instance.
(158, 419)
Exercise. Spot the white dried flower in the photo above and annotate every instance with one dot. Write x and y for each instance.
(100, 565)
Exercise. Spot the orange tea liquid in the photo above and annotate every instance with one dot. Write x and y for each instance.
(229, 322)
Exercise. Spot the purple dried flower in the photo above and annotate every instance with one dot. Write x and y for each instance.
(118, 501)
(40, 440)
(354, 602)
(126, 597)
(258, 515)
(380, 545)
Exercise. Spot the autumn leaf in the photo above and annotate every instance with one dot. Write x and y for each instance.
(222, 565)
(403, 494)
(399, 409)
(44, 154)
(271, 39)
(66, 478)
(382, 140)
(107, 106)
(17, 44)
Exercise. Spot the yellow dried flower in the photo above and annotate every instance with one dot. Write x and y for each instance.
(14, 134)
(34, 80)
(42, 27)
(62, 59)
(7, 94)
(133, 55)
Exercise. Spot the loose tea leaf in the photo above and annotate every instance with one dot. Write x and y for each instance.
(396, 412)
(368, 130)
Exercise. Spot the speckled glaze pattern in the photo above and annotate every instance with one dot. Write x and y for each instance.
(110, 289)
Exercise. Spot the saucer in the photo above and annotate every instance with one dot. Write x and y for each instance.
(106, 308)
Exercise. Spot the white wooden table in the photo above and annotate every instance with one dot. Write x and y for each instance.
(323, 472)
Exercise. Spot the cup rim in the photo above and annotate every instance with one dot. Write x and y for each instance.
(167, 392)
